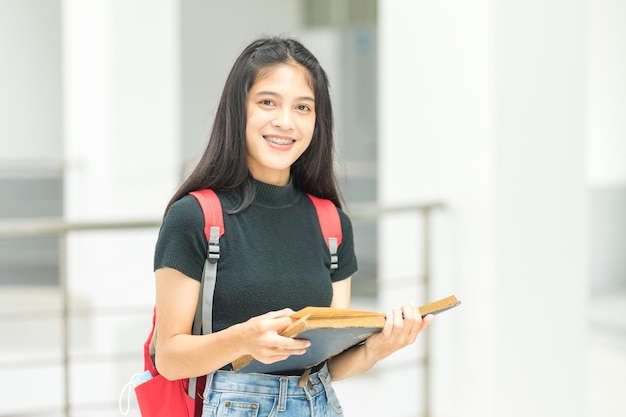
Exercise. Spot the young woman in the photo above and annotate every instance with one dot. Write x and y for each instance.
(272, 142)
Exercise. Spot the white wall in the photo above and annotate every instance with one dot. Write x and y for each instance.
(212, 36)
(483, 104)
(122, 144)
(121, 85)
(541, 235)
(606, 102)
(606, 143)
(30, 82)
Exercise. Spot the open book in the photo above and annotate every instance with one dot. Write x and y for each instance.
(330, 331)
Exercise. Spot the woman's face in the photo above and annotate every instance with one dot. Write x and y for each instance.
(281, 120)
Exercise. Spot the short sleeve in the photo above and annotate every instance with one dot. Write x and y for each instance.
(181, 244)
(347, 265)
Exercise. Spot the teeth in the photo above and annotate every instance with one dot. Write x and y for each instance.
(279, 141)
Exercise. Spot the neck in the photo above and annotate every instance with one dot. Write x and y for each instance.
(275, 196)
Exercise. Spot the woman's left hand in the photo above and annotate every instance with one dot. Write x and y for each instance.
(401, 329)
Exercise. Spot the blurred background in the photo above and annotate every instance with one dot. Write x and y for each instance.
(482, 153)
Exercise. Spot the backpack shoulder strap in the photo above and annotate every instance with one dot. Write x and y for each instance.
(213, 230)
(328, 217)
(213, 219)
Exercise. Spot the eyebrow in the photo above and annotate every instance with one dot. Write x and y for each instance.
(274, 94)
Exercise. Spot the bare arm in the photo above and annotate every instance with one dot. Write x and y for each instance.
(182, 355)
(401, 329)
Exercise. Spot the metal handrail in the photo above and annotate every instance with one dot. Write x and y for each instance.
(374, 211)
(426, 209)
(21, 228)
(18, 228)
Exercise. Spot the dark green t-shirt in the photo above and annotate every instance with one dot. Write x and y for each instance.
(272, 254)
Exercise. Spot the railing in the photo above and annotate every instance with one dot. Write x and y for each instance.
(426, 210)
(58, 228)
(61, 229)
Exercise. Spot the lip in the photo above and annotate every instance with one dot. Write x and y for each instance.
(279, 141)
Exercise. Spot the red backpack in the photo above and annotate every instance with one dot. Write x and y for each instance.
(160, 397)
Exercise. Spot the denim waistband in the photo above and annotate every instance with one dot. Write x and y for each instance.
(288, 386)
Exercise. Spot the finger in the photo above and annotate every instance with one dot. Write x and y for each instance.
(388, 327)
(280, 323)
(407, 312)
(412, 311)
(292, 347)
(426, 321)
(273, 322)
(277, 358)
(283, 346)
(280, 356)
(287, 344)
(298, 344)
(398, 318)
(285, 312)
(270, 358)
(412, 322)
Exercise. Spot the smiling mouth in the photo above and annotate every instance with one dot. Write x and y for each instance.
(279, 141)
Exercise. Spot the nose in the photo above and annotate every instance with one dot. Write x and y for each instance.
(283, 119)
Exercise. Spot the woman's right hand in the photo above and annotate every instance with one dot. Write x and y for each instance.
(262, 340)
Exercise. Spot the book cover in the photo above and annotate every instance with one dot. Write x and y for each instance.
(330, 331)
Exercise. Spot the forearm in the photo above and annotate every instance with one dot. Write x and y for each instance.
(185, 355)
(352, 362)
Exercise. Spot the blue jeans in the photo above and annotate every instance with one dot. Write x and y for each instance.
(258, 395)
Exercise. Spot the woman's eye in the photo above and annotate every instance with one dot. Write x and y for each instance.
(303, 107)
(267, 102)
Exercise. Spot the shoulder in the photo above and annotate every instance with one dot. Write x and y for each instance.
(181, 244)
(184, 214)
(345, 219)
(347, 256)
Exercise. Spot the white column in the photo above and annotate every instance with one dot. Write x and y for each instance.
(606, 67)
(122, 140)
(482, 104)
(541, 252)
(606, 143)
(121, 126)
(30, 82)
(122, 106)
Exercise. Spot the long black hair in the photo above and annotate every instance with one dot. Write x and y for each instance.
(223, 165)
